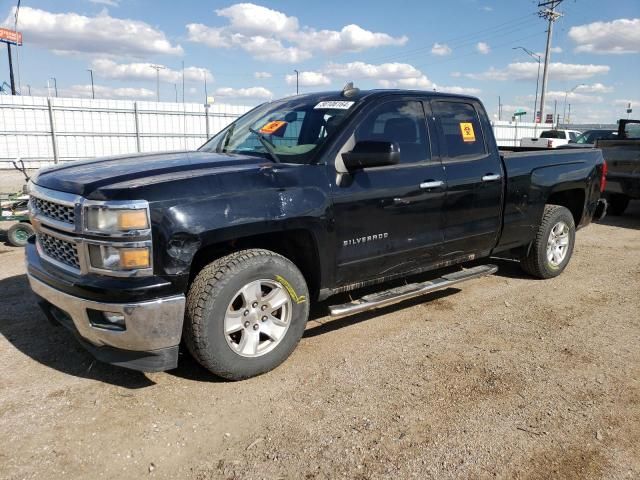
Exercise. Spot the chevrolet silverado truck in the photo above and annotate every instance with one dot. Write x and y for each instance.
(223, 249)
(623, 160)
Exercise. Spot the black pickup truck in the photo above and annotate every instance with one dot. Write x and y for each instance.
(299, 199)
(622, 155)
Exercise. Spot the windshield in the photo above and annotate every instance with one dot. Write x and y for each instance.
(593, 135)
(290, 130)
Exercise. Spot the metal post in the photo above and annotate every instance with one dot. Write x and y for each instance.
(54, 142)
(297, 81)
(93, 92)
(206, 118)
(13, 83)
(137, 125)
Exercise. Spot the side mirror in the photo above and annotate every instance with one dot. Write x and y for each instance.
(369, 153)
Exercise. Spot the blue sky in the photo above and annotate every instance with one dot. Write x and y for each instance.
(248, 51)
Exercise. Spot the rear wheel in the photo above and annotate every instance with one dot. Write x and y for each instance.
(553, 246)
(618, 203)
(246, 313)
(19, 233)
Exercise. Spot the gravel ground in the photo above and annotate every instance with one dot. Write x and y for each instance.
(506, 377)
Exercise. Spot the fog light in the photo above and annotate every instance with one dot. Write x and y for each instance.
(114, 317)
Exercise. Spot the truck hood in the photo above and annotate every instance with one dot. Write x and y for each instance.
(85, 177)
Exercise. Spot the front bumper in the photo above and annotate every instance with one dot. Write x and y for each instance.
(150, 337)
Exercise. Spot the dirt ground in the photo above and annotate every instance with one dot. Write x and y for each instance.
(506, 377)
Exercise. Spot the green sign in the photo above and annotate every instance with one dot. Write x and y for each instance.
(519, 113)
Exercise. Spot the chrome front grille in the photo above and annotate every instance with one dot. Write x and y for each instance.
(59, 250)
(54, 211)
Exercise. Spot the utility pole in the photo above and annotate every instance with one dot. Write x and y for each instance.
(206, 93)
(93, 92)
(499, 108)
(29, 89)
(297, 81)
(175, 85)
(549, 13)
(157, 68)
(564, 108)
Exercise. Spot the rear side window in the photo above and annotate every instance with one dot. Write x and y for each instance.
(632, 130)
(553, 134)
(460, 126)
(398, 121)
(573, 136)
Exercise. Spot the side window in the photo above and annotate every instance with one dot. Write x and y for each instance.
(572, 136)
(632, 130)
(398, 121)
(460, 126)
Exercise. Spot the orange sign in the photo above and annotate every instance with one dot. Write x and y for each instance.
(10, 36)
(468, 135)
(272, 127)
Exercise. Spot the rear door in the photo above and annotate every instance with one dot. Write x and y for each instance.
(388, 218)
(473, 171)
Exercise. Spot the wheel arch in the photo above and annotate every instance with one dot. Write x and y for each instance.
(572, 199)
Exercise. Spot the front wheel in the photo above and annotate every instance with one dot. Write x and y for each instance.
(246, 312)
(553, 246)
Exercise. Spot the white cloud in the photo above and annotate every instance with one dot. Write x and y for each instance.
(529, 71)
(262, 75)
(460, 90)
(101, 91)
(487, 8)
(626, 101)
(573, 97)
(107, 68)
(250, 92)
(108, 3)
(594, 88)
(441, 49)
(554, 50)
(271, 35)
(103, 34)
(617, 37)
(308, 79)
(483, 48)
(383, 71)
(392, 75)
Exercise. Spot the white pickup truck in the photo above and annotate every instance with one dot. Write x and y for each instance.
(550, 139)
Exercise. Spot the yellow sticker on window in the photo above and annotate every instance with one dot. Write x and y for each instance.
(468, 135)
(272, 127)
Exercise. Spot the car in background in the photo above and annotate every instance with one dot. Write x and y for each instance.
(589, 138)
(622, 154)
(551, 139)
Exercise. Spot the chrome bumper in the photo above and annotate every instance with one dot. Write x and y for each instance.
(149, 325)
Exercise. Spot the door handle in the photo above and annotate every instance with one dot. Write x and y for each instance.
(431, 184)
(491, 177)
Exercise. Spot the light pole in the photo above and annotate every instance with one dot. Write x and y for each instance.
(55, 85)
(93, 92)
(157, 68)
(297, 81)
(564, 107)
(538, 58)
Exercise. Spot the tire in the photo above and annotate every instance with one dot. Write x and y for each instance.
(618, 203)
(220, 297)
(555, 220)
(19, 233)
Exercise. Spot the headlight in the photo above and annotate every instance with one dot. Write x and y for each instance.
(108, 257)
(113, 220)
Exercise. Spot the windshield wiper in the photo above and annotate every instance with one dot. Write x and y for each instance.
(268, 146)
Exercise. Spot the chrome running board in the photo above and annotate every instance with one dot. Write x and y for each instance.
(398, 294)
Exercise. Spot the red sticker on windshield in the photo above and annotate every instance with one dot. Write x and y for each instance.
(272, 127)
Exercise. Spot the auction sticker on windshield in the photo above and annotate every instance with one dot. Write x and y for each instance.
(336, 104)
(468, 135)
(272, 127)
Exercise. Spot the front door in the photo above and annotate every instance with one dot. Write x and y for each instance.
(388, 219)
(472, 209)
